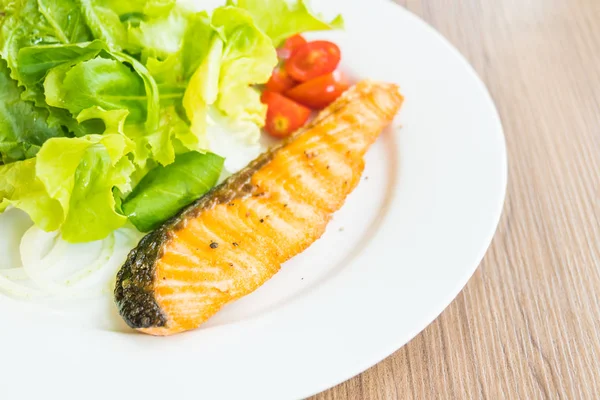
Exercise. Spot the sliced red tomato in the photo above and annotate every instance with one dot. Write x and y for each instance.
(319, 92)
(290, 46)
(265, 96)
(284, 116)
(313, 59)
(293, 43)
(280, 81)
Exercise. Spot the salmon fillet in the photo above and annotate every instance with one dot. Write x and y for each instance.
(232, 240)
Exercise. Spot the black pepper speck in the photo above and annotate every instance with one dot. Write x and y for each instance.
(214, 245)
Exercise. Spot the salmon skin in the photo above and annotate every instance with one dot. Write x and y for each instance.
(232, 240)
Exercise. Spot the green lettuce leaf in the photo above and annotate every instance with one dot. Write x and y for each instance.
(70, 184)
(172, 136)
(172, 131)
(135, 25)
(176, 69)
(98, 121)
(195, 44)
(37, 22)
(22, 25)
(144, 8)
(166, 190)
(151, 89)
(81, 173)
(248, 59)
(23, 127)
(158, 37)
(281, 19)
(65, 19)
(105, 23)
(98, 82)
(20, 188)
(113, 120)
(34, 62)
(30, 23)
(203, 88)
(240, 55)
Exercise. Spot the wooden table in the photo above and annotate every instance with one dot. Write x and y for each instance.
(527, 326)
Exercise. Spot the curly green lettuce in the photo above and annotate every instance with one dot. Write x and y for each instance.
(280, 19)
(112, 110)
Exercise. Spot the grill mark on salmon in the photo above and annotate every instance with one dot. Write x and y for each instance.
(229, 242)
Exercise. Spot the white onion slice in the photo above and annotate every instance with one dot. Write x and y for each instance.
(38, 267)
(53, 269)
(17, 290)
(14, 274)
(106, 253)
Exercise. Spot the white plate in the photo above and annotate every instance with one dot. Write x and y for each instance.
(413, 234)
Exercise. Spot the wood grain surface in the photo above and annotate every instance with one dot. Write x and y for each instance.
(527, 326)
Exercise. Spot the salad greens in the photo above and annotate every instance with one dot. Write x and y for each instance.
(281, 19)
(113, 110)
(23, 127)
(165, 190)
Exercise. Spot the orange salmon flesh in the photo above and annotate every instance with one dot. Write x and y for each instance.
(230, 248)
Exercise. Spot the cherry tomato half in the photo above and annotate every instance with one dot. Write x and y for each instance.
(293, 43)
(284, 116)
(280, 81)
(319, 92)
(313, 59)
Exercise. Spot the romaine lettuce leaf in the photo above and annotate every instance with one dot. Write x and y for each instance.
(281, 19)
(165, 190)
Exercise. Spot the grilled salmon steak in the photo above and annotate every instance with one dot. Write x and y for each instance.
(232, 240)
